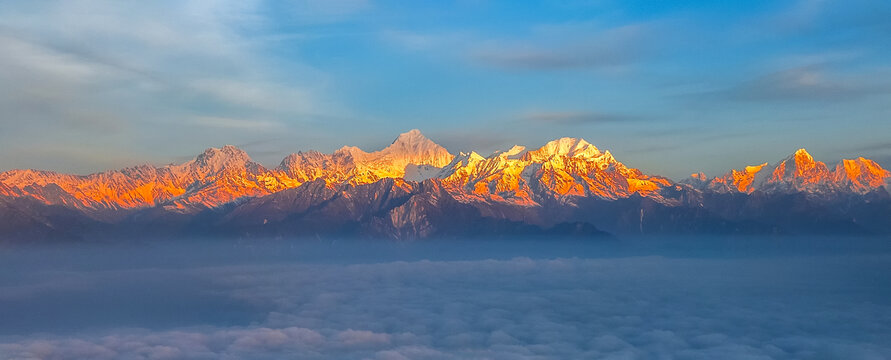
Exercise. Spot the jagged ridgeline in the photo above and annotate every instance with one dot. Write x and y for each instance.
(415, 188)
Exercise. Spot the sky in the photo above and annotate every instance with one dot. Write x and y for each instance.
(668, 87)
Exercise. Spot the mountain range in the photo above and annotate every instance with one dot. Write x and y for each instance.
(415, 188)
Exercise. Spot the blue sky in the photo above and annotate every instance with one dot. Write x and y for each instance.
(671, 88)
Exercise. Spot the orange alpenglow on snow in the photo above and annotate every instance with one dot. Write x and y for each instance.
(562, 170)
(563, 167)
(352, 165)
(861, 174)
(800, 172)
(219, 176)
(743, 179)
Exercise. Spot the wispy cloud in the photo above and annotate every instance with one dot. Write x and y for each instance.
(573, 117)
(876, 146)
(569, 46)
(809, 83)
(547, 46)
(123, 74)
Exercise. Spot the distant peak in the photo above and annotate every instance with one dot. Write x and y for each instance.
(570, 144)
(464, 157)
(225, 151)
(217, 158)
(413, 142)
(566, 146)
(699, 176)
(571, 141)
(348, 149)
(803, 159)
(515, 150)
(413, 135)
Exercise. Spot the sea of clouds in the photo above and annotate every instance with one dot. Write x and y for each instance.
(172, 303)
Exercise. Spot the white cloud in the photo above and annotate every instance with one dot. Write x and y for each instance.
(626, 308)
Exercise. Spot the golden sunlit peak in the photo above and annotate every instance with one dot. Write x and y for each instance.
(566, 146)
(513, 153)
(410, 137)
(803, 153)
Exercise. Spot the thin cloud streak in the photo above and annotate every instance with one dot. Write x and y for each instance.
(572, 118)
(807, 83)
(572, 46)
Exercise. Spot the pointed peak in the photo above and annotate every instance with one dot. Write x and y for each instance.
(800, 156)
(413, 142)
(412, 132)
(803, 159)
(411, 136)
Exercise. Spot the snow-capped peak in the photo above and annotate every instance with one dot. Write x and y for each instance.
(800, 168)
(412, 143)
(861, 175)
(570, 147)
(353, 151)
(411, 136)
(515, 152)
(803, 158)
(352, 164)
(216, 159)
(799, 172)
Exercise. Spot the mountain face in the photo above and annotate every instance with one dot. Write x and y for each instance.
(799, 173)
(561, 170)
(217, 177)
(351, 165)
(415, 188)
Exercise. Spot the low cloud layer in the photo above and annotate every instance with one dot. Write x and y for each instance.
(778, 307)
